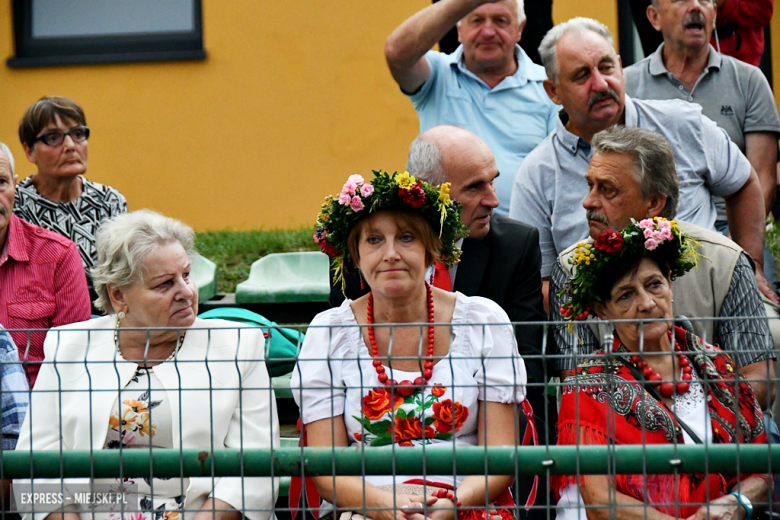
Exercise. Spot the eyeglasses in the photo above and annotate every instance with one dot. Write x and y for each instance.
(78, 134)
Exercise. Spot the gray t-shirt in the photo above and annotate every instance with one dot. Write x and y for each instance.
(550, 185)
(732, 93)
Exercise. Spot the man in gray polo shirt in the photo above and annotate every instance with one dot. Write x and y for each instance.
(585, 77)
(732, 93)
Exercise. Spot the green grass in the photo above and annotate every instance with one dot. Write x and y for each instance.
(235, 251)
(772, 240)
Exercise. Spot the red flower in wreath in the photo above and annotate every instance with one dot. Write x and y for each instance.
(325, 247)
(609, 242)
(379, 401)
(415, 196)
(446, 414)
(409, 429)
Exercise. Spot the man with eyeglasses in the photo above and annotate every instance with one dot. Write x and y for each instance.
(58, 197)
(42, 282)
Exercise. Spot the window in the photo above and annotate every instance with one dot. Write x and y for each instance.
(69, 32)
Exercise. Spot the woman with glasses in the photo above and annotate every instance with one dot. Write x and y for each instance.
(58, 197)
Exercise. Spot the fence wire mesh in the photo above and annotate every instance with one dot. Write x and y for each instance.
(211, 433)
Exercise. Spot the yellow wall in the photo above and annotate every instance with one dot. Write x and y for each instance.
(294, 97)
(604, 11)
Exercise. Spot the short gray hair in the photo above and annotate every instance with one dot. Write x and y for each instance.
(124, 241)
(548, 50)
(655, 170)
(520, 12)
(425, 161)
(7, 152)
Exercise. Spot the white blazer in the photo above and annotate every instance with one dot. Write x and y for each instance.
(88, 373)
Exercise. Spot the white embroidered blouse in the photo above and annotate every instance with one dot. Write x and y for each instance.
(335, 376)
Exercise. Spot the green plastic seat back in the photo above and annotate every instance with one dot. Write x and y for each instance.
(282, 351)
(286, 277)
(204, 274)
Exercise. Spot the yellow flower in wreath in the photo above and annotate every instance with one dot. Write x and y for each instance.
(405, 181)
(444, 194)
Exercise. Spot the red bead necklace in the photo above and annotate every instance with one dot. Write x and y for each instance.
(404, 388)
(666, 389)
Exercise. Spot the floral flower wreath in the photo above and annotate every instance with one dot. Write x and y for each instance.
(659, 235)
(359, 199)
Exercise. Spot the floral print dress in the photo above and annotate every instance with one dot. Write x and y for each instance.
(335, 376)
(141, 419)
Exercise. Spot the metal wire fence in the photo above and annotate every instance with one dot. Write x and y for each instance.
(210, 432)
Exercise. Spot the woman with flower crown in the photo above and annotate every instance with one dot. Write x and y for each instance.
(655, 384)
(377, 371)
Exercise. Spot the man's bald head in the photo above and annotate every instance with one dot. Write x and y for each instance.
(452, 154)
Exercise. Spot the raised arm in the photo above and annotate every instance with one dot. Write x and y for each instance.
(761, 151)
(406, 47)
(745, 210)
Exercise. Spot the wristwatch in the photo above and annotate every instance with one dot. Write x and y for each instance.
(745, 501)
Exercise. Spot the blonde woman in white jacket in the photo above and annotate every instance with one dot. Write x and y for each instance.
(103, 386)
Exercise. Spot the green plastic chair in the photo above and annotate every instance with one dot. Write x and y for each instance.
(204, 274)
(286, 277)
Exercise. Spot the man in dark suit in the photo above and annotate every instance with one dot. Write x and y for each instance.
(501, 259)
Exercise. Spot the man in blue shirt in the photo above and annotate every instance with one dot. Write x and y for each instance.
(488, 85)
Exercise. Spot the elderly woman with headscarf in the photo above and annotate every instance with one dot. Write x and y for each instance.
(653, 384)
(152, 375)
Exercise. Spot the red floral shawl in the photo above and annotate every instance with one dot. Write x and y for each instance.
(604, 392)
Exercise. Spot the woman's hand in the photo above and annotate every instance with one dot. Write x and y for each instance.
(403, 507)
(439, 509)
(726, 507)
(444, 509)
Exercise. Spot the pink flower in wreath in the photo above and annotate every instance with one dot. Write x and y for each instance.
(666, 234)
(651, 244)
(356, 204)
(647, 224)
(352, 184)
(366, 190)
(344, 198)
(355, 179)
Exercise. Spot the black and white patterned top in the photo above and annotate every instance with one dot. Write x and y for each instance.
(78, 220)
